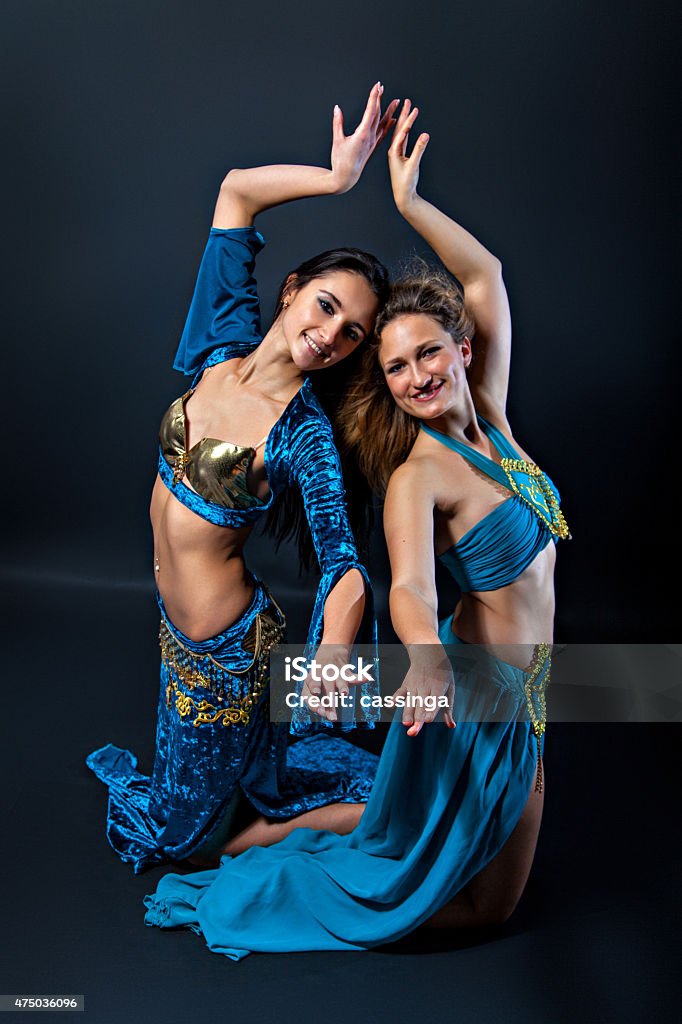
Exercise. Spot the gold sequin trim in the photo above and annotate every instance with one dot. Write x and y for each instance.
(540, 495)
(238, 690)
(179, 463)
(537, 679)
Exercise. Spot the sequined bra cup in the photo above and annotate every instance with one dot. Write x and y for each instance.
(216, 470)
(223, 323)
(494, 552)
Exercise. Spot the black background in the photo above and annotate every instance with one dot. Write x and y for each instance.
(553, 138)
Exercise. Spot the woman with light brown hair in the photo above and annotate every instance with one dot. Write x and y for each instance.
(428, 423)
(449, 833)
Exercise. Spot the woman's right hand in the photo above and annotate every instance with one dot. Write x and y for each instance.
(429, 676)
(247, 191)
(404, 169)
(350, 153)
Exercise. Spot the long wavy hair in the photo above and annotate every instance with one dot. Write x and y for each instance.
(374, 430)
(286, 518)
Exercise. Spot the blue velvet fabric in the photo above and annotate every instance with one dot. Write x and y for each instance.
(225, 309)
(300, 452)
(223, 323)
(443, 805)
(495, 551)
(197, 770)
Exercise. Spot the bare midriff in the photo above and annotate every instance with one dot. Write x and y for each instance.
(201, 576)
(513, 619)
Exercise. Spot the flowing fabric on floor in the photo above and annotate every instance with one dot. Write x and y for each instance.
(214, 741)
(443, 805)
(214, 736)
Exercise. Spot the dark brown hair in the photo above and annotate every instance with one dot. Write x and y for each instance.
(286, 519)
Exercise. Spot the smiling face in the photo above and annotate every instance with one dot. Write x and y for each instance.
(327, 318)
(424, 368)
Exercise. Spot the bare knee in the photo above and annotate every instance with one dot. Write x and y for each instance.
(467, 912)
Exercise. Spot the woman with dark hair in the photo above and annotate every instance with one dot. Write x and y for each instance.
(249, 432)
(449, 834)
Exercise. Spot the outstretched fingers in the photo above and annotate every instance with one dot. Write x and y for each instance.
(374, 125)
(372, 114)
(422, 716)
(387, 121)
(399, 141)
(408, 115)
(449, 714)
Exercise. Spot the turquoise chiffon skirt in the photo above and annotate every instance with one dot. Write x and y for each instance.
(443, 805)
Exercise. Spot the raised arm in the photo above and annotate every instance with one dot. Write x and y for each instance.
(408, 526)
(477, 270)
(224, 317)
(246, 192)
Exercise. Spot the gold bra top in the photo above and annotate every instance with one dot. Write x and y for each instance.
(216, 470)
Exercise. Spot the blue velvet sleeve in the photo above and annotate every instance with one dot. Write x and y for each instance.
(224, 312)
(316, 469)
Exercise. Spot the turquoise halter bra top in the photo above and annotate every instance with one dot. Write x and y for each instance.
(495, 551)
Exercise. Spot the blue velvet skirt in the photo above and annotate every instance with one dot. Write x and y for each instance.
(443, 805)
(215, 745)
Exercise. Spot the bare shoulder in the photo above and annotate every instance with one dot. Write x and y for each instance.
(416, 471)
(417, 482)
(214, 376)
(410, 495)
(440, 472)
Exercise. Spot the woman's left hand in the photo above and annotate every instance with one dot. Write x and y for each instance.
(350, 153)
(404, 169)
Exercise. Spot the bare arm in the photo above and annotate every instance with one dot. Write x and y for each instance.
(478, 271)
(343, 611)
(246, 192)
(408, 525)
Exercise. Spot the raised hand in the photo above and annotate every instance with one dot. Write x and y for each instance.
(404, 169)
(350, 153)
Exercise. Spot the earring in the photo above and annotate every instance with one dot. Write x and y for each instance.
(285, 303)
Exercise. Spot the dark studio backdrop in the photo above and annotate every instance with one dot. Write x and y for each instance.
(552, 139)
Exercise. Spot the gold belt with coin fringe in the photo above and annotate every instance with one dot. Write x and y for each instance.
(238, 690)
(537, 678)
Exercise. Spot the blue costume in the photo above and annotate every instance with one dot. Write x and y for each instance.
(443, 804)
(215, 743)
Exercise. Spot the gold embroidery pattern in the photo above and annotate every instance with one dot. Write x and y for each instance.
(239, 690)
(538, 494)
(535, 687)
